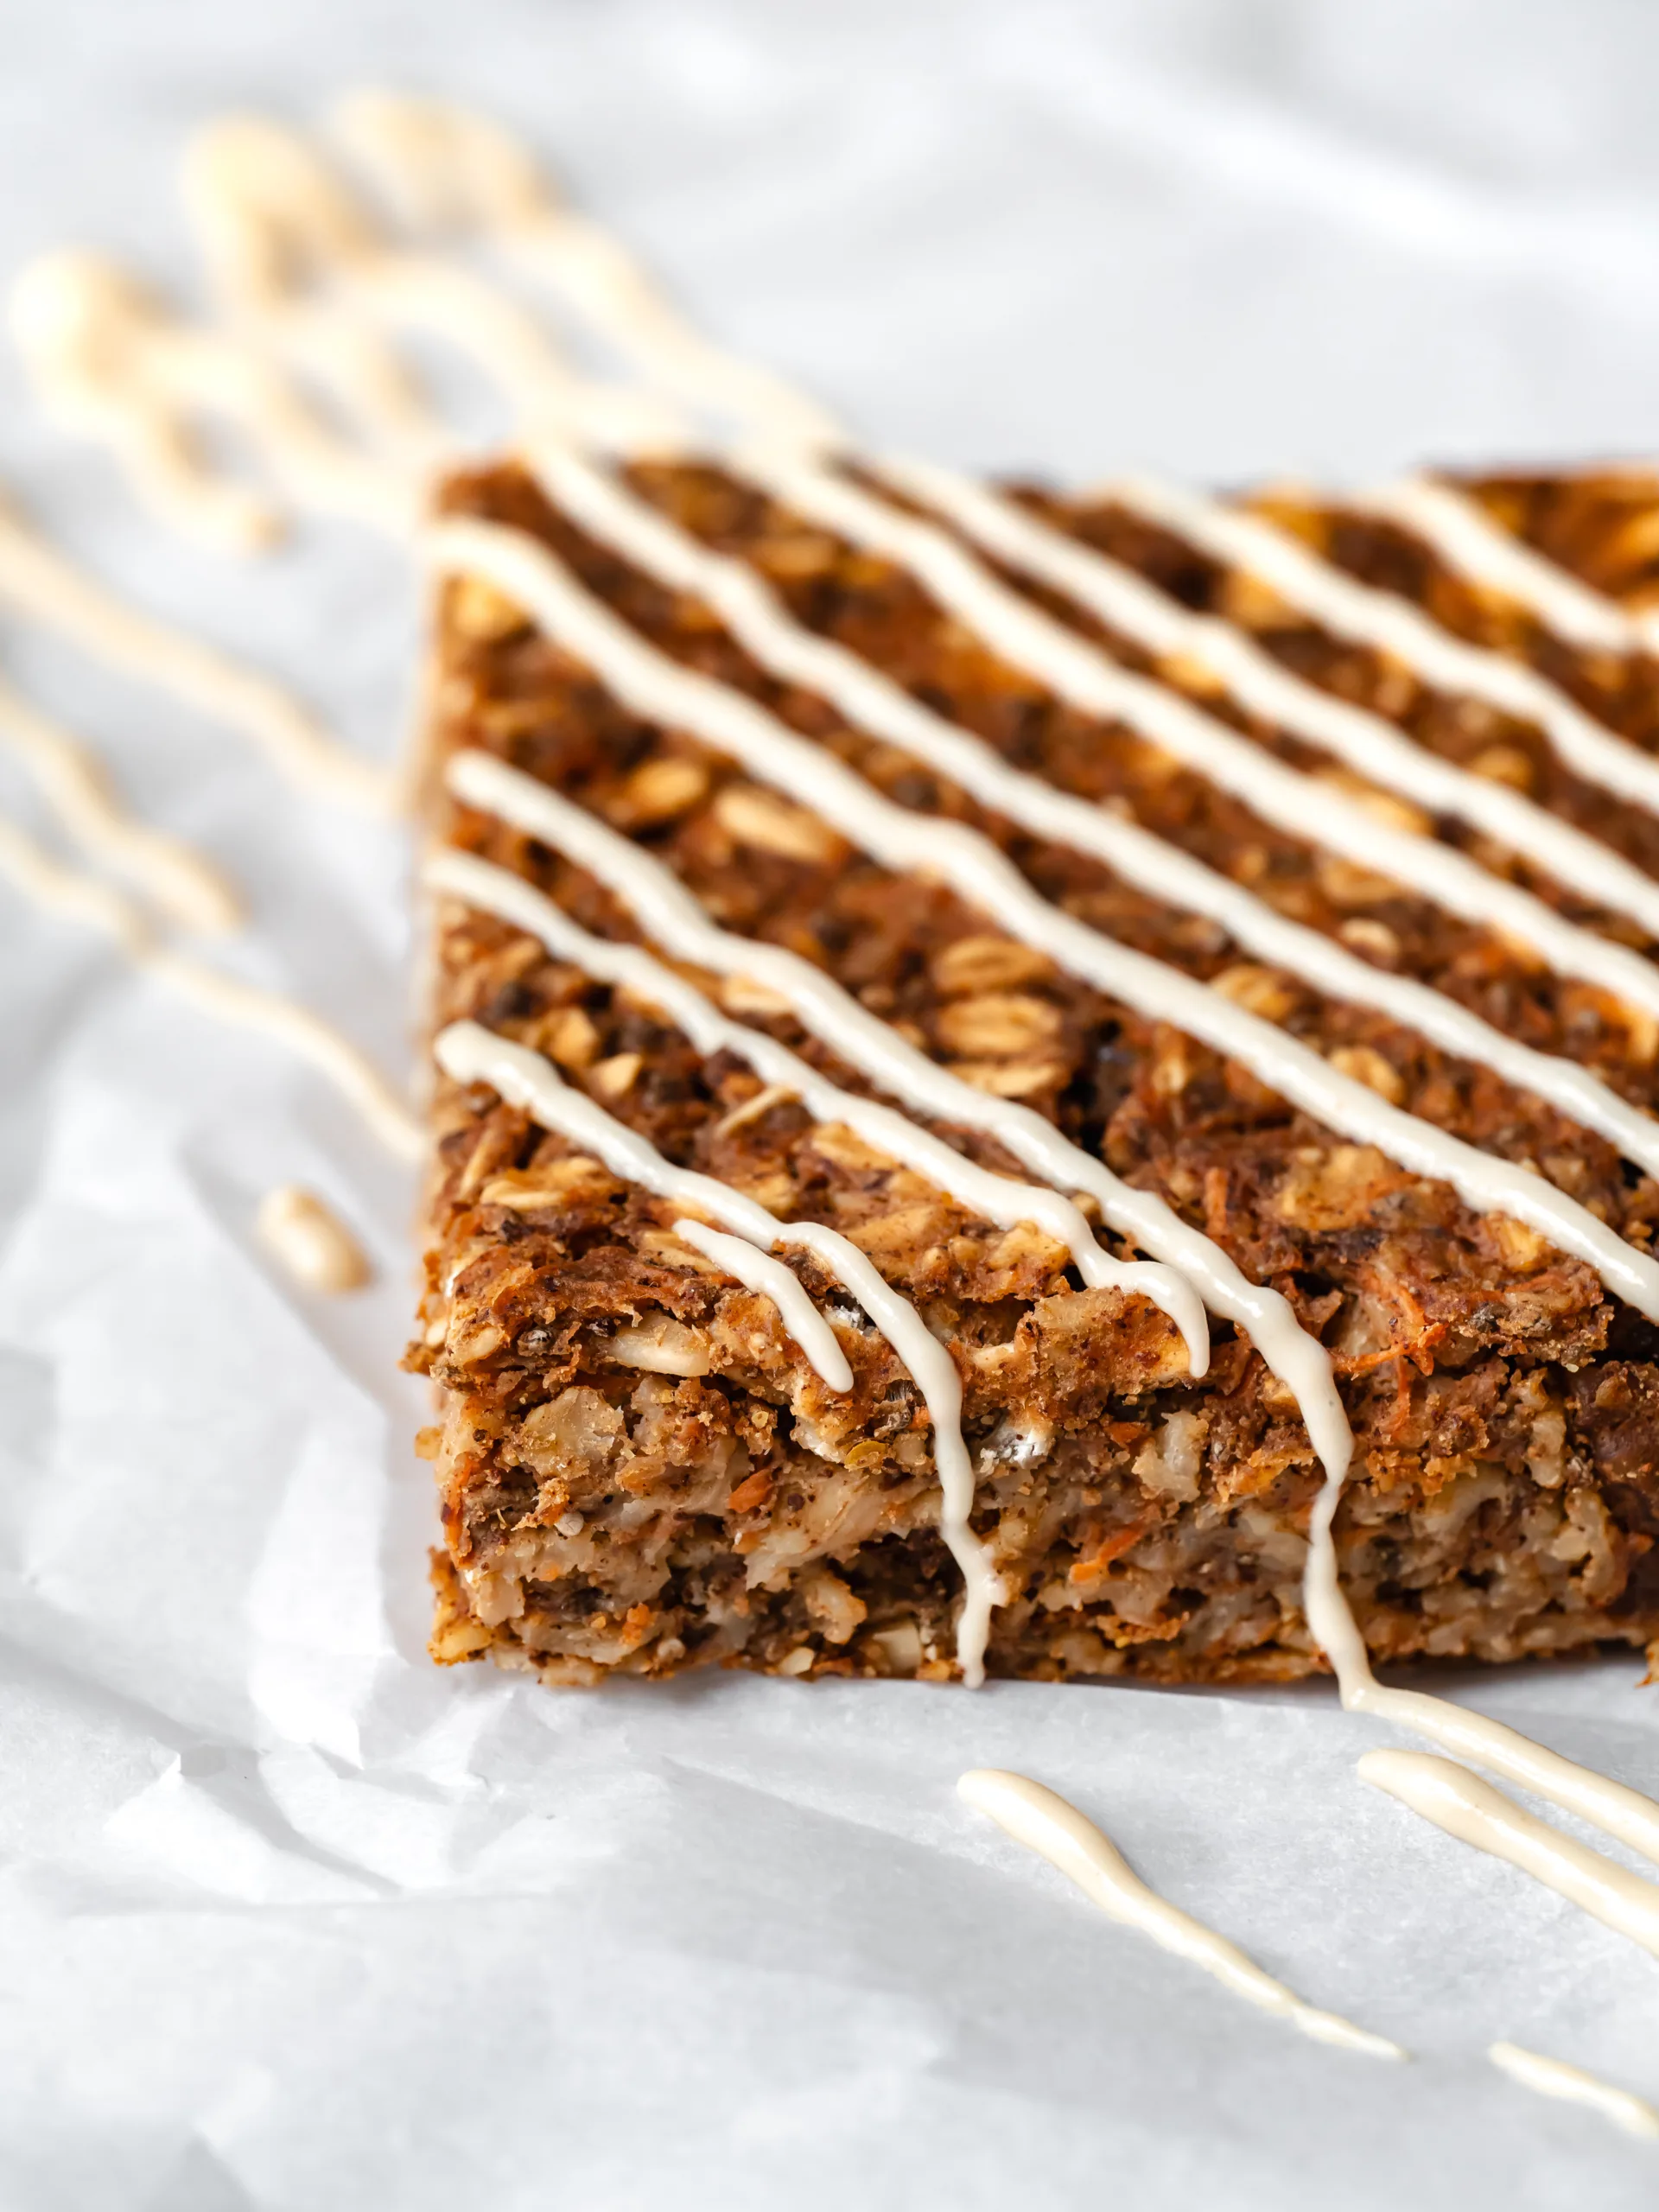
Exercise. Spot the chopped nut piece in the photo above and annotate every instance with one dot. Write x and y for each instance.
(482, 614)
(1258, 990)
(753, 818)
(1346, 884)
(661, 790)
(1011, 1078)
(1504, 764)
(612, 1078)
(741, 996)
(1364, 1064)
(662, 1345)
(570, 1039)
(753, 1109)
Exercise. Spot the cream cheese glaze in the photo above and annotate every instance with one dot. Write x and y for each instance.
(83, 899)
(39, 582)
(1046, 1824)
(311, 1241)
(188, 889)
(1553, 2077)
(1474, 1812)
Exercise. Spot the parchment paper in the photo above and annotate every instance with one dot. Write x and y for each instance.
(291, 1919)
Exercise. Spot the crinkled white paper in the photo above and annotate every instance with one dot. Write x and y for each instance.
(291, 1919)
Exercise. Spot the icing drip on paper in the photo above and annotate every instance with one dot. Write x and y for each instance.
(445, 169)
(659, 689)
(1553, 2077)
(187, 888)
(1606, 1804)
(39, 582)
(470, 1053)
(996, 1198)
(274, 219)
(111, 360)
(1046, 1824)
(1474, 1812)
(63, 891)
(311, 1240)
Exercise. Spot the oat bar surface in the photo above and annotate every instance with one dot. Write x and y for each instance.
(638, 1468)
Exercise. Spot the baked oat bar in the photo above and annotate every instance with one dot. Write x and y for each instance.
(639, 1467)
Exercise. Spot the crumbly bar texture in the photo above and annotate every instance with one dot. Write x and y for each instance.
(639, 1472)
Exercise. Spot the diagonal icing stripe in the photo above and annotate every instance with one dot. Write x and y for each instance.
(658, 689)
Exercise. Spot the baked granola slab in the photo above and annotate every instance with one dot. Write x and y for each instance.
(640, 1469)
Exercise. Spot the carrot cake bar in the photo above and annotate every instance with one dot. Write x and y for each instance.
(994, 1046)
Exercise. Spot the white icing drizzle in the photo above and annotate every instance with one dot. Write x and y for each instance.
(470, 1053)
(445, 169)
(1378, 618)
(187, 888)
(873, 702)
(275, 217)
(66, 891)
(1476, 1813)
(70, 315)
(1553, 2077)
(667, 912)
(996, 1198)
(1046, 1824)
(112, 360)
(37, 578)
(1457, 529)
(1300, 805)
(653, 685)
(759, 1271)
(311, 1240)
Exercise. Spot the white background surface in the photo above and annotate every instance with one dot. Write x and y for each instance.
(292, 1920)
